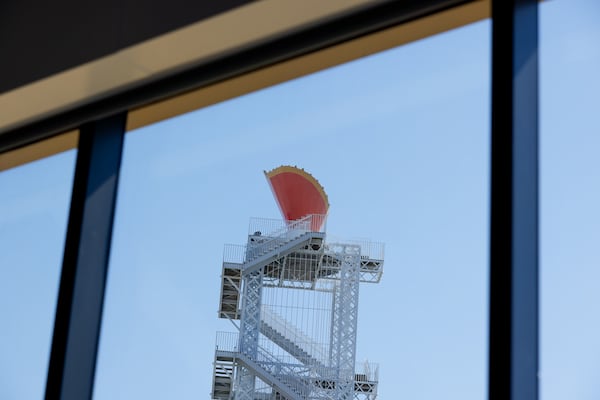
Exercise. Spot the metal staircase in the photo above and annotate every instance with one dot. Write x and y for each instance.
(231, 281)
(232, 272)
(281, 375)
(270, 369)
(274, 249)
(260, 250)
(222, 377)
(290, 339)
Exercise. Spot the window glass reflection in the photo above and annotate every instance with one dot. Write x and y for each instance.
(34, 208)
(399, 140)
(570, 216)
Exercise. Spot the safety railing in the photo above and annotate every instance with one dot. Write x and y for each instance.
(286, 369)
(368, 250)
(234, 253)
(285, 372)
(293, 334)
(367, 372)
(276, 239)
(265, 226)
(240, 254)
(228, 341)
(372, 250)
(273, 227)
(318, 222)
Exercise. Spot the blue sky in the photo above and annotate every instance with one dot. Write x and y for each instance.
(400, 141)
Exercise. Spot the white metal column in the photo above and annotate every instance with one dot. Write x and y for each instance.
(344, 321)
(250, 330)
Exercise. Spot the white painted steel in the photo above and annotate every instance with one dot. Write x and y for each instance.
(299, 315)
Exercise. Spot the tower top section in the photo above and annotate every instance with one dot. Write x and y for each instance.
(297, 193)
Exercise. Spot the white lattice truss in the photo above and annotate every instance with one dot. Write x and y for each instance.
(298, 310)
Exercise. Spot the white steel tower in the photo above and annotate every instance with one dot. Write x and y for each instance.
(295, 294)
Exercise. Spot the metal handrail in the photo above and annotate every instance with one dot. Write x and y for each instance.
(286, 371)
(283, 371)
(293, 334)
(234, 253)
(368, 371)
(284, 232)
(270, 227)
(228, 341)
(368, 249)
(265, 226)
(293, 230)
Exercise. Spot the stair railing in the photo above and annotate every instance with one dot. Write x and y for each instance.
(228, 341)
(293, 334)
(283, 371)
(292, 230)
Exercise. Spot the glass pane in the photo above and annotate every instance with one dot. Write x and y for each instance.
(34, 208)
(570, 216)
(400, 142)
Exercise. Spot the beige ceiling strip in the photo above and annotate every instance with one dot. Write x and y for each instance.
(310, 63)
(39, 150)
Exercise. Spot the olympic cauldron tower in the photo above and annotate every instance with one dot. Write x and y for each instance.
(295, 294)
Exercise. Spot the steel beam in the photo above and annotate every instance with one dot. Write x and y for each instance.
(513, 351)
(85, 263)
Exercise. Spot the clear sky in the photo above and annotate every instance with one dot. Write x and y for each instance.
(400, 141)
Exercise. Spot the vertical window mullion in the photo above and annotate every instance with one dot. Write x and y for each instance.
(513, 351)
(85, 261)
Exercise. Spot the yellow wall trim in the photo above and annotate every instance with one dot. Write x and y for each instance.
(39, 150)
